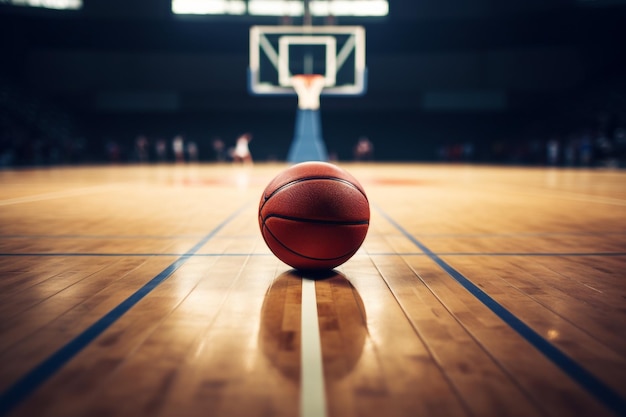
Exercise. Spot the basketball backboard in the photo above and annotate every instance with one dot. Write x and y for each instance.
(277, 53)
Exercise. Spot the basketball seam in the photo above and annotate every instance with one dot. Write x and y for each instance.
(290, 183)
(305, 220)
(349, 253)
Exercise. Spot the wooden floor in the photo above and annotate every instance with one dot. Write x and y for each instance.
(148, 291)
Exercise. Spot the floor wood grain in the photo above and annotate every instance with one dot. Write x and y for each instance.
(148, 291)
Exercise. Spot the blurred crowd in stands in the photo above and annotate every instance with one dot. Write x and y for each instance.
(34, 132)
(588, 147)
(23, 145)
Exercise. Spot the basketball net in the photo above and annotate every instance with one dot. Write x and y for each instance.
(308, 87)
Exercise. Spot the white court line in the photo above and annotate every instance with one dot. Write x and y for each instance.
(312, 392)
(56, 194)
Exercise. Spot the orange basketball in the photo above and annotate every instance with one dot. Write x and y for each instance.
(314, 215)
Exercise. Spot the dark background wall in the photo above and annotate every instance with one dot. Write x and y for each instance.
(497, 75)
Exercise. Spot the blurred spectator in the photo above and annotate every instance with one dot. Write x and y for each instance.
(141, 149)
(241, 153)
(113, 151)
(220, 149)
(178, 147)
(552, 151)
(160, 148)
(192, 151)
(364, 149)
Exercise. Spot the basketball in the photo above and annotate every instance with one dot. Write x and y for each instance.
(314, 215)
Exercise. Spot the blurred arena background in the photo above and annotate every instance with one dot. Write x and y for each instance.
(529, 82)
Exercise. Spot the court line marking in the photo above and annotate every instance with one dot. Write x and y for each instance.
(28, 383)
(103, 237)
(312, 391)
(602, 392)
(57, 194)
(147, 255)
(530, 254)
(519, 234)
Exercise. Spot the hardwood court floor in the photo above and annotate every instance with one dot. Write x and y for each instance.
(148, 291)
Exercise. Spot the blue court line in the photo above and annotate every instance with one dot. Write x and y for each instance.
(530, 254)
(112, 237)
(147, 255)
(520, 234)
(26, 385)
(602, 392)
(99, 236)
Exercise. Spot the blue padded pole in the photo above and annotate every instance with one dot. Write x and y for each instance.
(307, 144)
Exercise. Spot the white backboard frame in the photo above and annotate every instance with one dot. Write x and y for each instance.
(259, 44)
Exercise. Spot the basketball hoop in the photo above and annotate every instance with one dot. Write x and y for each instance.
(308, 87)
